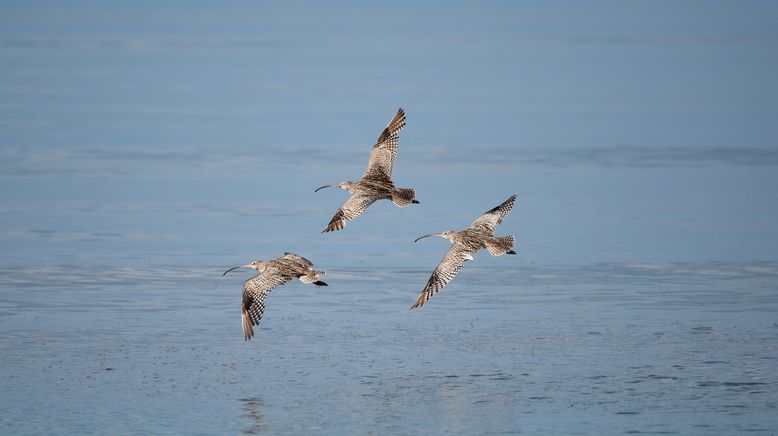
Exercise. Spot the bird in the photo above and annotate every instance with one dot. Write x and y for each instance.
(464, 244)
(376, 183)
(272, 273)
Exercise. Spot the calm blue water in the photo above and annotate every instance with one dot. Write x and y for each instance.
(146, 148)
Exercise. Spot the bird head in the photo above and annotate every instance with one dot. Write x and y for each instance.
(256, 265)
(348, 186)
(447, 235)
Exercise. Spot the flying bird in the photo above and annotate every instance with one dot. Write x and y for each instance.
(376, 184)
(272, 273)
(464, 244)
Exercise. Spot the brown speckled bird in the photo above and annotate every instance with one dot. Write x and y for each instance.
(464, 244)
(376, 184)
(272, 273)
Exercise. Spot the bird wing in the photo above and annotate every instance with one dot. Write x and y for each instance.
(352, 208)
(297, 258)
(492, 217)
(384, 151)
(255, 292)
(446, 270)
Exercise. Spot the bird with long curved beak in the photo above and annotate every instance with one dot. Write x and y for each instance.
(464, 244)
(376, 183)
(251, 265)
(447, 235)
(272, 273)
(335, 185)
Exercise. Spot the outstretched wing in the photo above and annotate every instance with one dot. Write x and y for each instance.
(255, 292)
(492, 217)
(384, 151)
(445, 271)
(297, 258)
(352, 208)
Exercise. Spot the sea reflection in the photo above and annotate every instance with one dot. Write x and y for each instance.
(251, 409)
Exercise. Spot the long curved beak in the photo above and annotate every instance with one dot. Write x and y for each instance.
(235, 267)
(427, 236)
(326, 186)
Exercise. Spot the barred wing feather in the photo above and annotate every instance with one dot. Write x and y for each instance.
(352, 208)
(445, 272)
(384, 152)
(255, 292)
(492, 217)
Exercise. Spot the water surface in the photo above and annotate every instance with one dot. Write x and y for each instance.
(678, 348)
(144, 149)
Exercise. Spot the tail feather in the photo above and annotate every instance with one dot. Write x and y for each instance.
(312, 277)
(501, 245)
(403, 197)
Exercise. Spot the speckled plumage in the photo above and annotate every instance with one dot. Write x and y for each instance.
(376, 183)
(464, 244)
(272, 273)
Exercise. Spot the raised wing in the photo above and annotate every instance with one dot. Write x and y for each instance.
(352, 208)
(297, 258)
(492, 217)
(255, 292)
(445, 271)
(383, 153)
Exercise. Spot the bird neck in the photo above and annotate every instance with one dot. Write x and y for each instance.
(454, 237)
